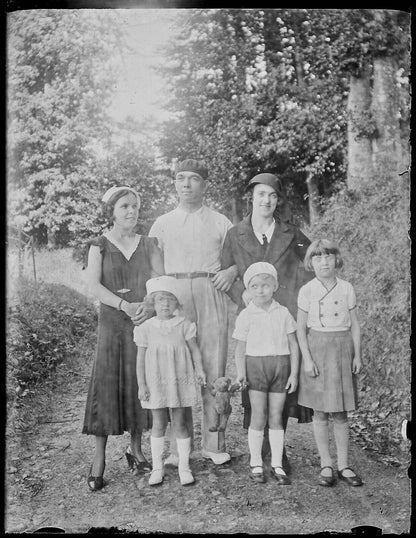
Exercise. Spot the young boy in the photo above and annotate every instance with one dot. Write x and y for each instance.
(267, 360)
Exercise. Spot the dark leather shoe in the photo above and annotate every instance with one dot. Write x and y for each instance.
(281, 479)
(286, 463)
(350, 480)
(327, 481)
(95, 483)
(257, 477)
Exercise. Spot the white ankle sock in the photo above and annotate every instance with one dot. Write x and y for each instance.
(184, 449)
(255, 442)
(157, 445)
(276, 440)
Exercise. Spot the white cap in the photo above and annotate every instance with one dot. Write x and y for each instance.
(113, 190)
(162, 283)
(259, 268)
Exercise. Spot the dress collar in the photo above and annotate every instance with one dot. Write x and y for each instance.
(167, 324)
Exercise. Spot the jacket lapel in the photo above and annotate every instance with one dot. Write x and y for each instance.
(280, 241)
(247, 239)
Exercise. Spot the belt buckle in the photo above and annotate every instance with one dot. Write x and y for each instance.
(188, 275)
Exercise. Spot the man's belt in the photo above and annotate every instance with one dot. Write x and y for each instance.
(194, 274)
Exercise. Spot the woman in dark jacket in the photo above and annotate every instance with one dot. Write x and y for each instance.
(263, 235)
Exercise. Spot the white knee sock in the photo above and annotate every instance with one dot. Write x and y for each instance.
(320, 429)
(341, 434)
(276, 439)
(255, 442)
(184, 449)
(157, 445)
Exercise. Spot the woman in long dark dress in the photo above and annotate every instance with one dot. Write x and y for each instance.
(119, 264)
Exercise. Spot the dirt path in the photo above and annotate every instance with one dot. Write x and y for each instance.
(47, 468)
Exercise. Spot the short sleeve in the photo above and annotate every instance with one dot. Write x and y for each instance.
(190, 330)
(241, 327)
(351, 298)
(96, 242)
(140, 335)
(290, 323)
(304, 298)
(157, 231)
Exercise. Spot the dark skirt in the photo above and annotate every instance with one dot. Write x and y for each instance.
(335, 388)
(113, 406)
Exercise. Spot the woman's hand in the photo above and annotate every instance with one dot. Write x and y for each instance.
(224, 279)
(201, 378)
(129, 308)
(144, 393)
(357, 365)
(292, 383)
(310, 368)
(142, 313)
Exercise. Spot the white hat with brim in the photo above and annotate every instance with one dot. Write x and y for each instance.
(259, 268)
(162, 283)
(113, 190)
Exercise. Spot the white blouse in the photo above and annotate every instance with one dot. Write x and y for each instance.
(328, 310)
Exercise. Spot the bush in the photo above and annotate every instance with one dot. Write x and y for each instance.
(44, 329)
(371, 229)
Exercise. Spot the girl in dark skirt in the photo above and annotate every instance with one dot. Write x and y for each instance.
(329, 338)
(119, 264)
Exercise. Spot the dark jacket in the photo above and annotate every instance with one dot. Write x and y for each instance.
(285, 251)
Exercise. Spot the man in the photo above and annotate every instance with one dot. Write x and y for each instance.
(191, 238)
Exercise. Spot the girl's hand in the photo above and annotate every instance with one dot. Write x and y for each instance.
(292, 383)
(142, 313)
(357, 365)
(144, 393)
(310, 368)
(201, 378)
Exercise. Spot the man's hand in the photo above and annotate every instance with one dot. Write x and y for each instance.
(224, 279)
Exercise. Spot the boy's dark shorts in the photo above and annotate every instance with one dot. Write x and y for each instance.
(268, 373)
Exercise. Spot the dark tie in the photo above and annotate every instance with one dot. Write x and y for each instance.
(264, 245)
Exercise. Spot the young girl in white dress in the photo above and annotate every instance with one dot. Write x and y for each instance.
(168, 365)
(329, 338)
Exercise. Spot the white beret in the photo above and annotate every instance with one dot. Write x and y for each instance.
(162, 283)
(113, 190)
(259, 268)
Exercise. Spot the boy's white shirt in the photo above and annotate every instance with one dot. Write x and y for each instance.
(265, 331)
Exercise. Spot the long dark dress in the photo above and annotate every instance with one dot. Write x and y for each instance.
(112, 404)
(285, 252)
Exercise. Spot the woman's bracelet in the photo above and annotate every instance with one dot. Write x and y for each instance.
(119, 304)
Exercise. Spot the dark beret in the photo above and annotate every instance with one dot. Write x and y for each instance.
(192, 165)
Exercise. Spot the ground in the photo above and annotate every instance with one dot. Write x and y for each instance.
(46, 472)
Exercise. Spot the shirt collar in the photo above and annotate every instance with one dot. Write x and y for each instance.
(256, 309)
(268, 233)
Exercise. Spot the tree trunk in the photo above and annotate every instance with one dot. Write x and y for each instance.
(235, 210)
(313, 198)
(360, 165)
(385, 106)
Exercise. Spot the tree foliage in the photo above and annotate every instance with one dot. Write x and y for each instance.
(60, 77)
(258, 90)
